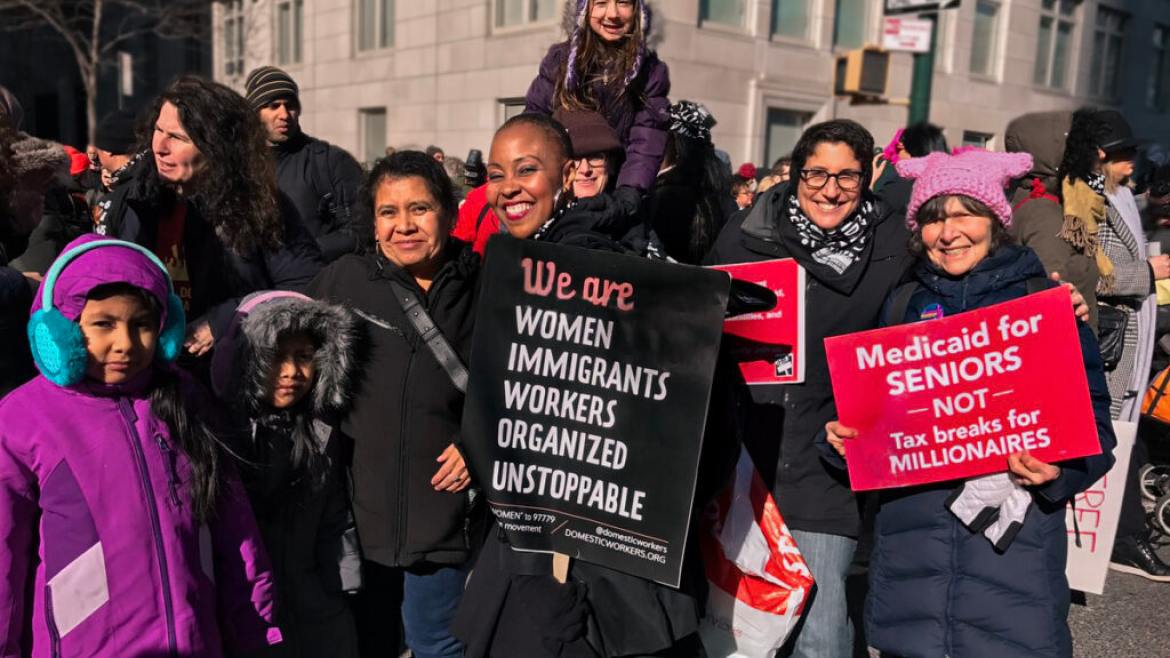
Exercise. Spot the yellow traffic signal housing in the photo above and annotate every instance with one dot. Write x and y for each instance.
(864, 72)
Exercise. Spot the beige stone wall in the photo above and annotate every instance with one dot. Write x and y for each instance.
(450, 68)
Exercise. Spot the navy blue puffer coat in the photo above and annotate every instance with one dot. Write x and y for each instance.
(937, 589)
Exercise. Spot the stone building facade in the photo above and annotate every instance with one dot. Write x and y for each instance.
(410, 73)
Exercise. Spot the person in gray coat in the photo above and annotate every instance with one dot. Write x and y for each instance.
(287, 366)
(1130, 290)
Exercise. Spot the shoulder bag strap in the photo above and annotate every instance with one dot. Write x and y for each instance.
(431, 335)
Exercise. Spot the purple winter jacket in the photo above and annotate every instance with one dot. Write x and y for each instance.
(99, 548)
(641, 127)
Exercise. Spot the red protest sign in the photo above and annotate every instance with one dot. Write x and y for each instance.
(769, 346)
(952, 398)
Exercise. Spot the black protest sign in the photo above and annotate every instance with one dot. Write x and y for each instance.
(590, 378)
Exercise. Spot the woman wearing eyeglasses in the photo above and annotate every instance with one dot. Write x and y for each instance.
(853, 248)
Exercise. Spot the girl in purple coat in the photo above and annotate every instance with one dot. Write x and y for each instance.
(606, 66)
(123, 532)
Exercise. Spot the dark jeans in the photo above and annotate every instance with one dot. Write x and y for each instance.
(429, 603)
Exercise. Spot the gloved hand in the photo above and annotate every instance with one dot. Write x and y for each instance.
(992, 504)
(608, 211)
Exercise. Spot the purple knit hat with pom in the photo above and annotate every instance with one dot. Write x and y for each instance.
(976, 173)
(577, 37)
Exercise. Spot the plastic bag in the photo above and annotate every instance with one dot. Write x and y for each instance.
(758, 580)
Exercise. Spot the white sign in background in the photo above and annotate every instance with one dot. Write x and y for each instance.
(1097, 511)
(908, 35)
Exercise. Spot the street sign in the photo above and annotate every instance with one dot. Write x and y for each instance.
(918, 6)
(908, 35)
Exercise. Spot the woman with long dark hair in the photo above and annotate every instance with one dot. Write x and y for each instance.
(206, 203)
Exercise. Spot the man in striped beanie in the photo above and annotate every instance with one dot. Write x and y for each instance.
(320, 179)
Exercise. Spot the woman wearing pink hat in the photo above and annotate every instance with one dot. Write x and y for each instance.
(944, 581)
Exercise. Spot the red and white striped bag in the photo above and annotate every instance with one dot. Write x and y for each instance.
(758, 579)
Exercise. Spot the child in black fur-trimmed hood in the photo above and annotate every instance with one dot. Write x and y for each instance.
(287, 367)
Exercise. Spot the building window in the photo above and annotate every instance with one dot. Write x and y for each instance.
(290, 17)
(513, 13)
(784, 128)
(1108, 37)
(1159, 69)
(985, 38)
(972, 138)
(375, 24)
(511, 107)
(724, 12)
(373, 134)
(851, 23)
(233, 37)
(790, 18)
(1054, 45)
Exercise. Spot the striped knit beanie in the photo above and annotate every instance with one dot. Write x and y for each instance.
(577, 39)
(269, 83)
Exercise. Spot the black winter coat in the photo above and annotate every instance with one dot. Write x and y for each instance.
(219, 276)
(936, 588)
(513, 606)
(303, 525)
(322, 182)
(406, 410)
(811, 495)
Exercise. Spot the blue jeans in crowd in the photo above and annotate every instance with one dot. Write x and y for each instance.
(429, 602)
(825, 630)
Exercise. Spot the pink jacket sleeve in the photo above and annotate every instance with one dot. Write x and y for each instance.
(243, 574)
(18, 522)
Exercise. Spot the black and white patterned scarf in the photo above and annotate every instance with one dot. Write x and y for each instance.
(838, 248)
(1096, 182)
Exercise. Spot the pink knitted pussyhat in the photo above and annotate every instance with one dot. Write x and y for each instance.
(976, 173)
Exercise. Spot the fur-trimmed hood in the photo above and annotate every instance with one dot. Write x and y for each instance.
(246, 354)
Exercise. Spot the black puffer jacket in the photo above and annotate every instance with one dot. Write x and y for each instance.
(219, 276)
(322, 181)
(812, 496)
(406, 410)
(935, 587)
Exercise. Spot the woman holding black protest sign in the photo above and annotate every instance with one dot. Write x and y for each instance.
(976, 568)
(415, 514)
(513, 605)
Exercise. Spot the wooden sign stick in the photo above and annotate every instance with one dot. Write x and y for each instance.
(561, 567)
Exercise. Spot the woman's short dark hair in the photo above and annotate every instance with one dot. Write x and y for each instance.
(550, 126)
(923, 138)
(838, 131)
(410, 164)
(935, 209)
(1085, 134)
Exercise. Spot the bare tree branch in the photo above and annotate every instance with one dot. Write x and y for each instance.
(94, 29)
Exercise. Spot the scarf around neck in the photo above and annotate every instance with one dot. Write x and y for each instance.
(841, 252)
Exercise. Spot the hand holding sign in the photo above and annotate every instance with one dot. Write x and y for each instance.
(957, 397)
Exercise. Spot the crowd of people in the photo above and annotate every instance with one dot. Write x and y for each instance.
(222, 431)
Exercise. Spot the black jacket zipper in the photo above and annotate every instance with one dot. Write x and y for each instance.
(128, 418)
(51, 621)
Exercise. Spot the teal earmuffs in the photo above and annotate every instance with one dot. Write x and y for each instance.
(58, 346)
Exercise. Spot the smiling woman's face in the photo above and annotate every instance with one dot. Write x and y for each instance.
(409, 227)
(526, 179)
(830, 205)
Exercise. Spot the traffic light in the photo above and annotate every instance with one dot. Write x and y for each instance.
(864, 72)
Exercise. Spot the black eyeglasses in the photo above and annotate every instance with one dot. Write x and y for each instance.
(847, 180)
